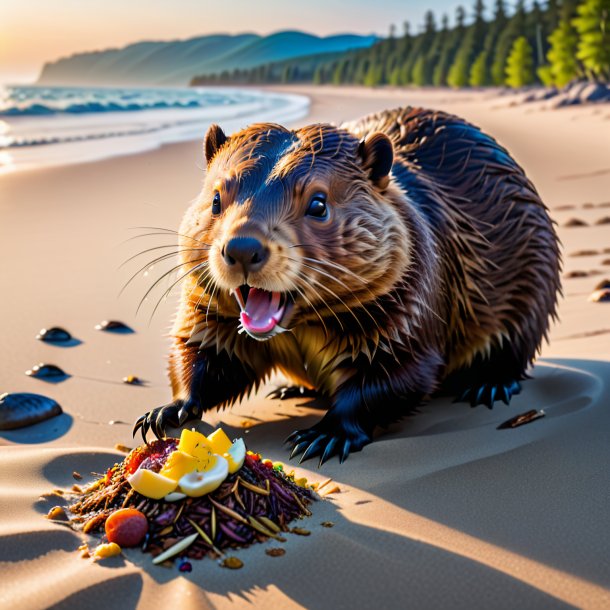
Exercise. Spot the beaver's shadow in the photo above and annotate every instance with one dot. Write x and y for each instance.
(428, 466)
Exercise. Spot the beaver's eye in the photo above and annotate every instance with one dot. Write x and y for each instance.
(216, 208)
(317, 207)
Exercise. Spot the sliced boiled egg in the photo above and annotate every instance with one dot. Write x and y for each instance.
(235, 455)
(199, 483)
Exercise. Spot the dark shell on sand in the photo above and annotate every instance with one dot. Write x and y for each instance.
(603, 284)
(113, 326)
(600, 296)
(520, 420)
(54, 335)
(45, 370)
(21, 409)
(603, 221)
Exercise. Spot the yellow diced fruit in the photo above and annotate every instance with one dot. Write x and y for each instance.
(196, 444)
(220, 441)
(178, 464)
(151, 484)
(191, 440)
(236, 455)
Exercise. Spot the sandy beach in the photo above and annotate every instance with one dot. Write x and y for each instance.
(443, 510)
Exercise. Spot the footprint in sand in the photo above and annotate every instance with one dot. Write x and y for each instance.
(585, 253)
(575, 222)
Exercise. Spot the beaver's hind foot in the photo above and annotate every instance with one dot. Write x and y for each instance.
(327, 438)
(160, 419)
(487, 393)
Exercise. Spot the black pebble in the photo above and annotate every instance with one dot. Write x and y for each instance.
(114, 326)
(22, 409)
(54, 335)
(46, 370)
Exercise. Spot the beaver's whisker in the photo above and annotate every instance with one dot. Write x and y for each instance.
(147, 265)
(169, 272)
(168, 291)
(360, 303)
(339, 268)
(141, 269)
(313, 307)
(307, 281)
(334, 294)
(207, 311)
(375, 298)
(160, 248)
(171, 231)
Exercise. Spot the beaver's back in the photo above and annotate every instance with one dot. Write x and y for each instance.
(499, 249)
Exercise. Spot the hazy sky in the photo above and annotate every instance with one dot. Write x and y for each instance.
(34, 31)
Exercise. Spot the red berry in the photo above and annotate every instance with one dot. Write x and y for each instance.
(127, 527)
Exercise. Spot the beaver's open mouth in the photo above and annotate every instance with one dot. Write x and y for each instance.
(262, 311)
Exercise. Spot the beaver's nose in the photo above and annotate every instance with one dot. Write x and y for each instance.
(246, 251)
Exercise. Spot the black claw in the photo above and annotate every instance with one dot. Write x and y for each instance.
(293, 437)
(345, 451)
(144, 429)
(297, 449)
(505, 395)
(183, 415)
(492, 395)
(486, 398)
(329, 450)
(479, 398)
(137, 426)
(314, 448)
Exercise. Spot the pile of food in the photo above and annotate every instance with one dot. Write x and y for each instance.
(191, 497)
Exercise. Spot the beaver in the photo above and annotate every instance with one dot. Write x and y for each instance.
(375, 263)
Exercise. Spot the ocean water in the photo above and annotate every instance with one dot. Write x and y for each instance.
(44, 126)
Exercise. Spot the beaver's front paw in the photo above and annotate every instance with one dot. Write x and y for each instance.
(161, 418)
(327, 440)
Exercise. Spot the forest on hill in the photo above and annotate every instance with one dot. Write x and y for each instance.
(552, 43)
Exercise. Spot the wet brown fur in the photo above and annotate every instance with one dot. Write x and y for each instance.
(445, 269)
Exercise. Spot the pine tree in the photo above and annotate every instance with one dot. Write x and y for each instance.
(520, 64)
(447, 54)
(458, 73)
(421, 47)
(563, 66)
(418, 74)
(470, 47)
(514, 28)
(479, 73)
(593, 26)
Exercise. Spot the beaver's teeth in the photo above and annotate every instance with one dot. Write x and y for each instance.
(236, 292)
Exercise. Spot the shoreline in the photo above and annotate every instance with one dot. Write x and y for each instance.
(72, 138)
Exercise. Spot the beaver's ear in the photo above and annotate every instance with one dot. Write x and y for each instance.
(377, 155)
(214, 139)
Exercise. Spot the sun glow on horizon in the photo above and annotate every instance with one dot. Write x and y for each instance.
(33, 32)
